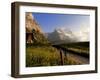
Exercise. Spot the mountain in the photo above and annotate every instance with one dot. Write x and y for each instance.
(34, 33)
(60, 36)
(31, 23)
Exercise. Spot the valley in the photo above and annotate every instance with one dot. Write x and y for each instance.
(56, 48)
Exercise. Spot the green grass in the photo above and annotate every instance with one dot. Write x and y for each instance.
(42, 56)
(45, 55)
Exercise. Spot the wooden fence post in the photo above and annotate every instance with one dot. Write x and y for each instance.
(61, 56)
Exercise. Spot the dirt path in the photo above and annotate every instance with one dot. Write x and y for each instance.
(73, 56)
(78, 58)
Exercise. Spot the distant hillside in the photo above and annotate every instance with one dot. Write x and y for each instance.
(82, 44)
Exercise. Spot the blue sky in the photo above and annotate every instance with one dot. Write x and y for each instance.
(49, 22)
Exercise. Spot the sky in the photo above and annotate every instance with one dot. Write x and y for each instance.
(74, 22)
(78, 24)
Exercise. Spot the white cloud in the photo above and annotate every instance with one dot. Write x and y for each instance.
(83, 34)
(64, 35)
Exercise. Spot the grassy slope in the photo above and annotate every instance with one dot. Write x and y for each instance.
(49, 56)
(42, 56)
(45, 56)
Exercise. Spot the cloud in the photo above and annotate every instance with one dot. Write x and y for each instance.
(83, 34)
(64, 35)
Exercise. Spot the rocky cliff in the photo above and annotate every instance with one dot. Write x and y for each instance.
(34, 33)
(31, 23)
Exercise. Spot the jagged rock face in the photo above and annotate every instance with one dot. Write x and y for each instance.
(31, 24)
(34, 33)
(60, 36)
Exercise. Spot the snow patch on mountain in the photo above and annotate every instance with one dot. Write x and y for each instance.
(63, 35)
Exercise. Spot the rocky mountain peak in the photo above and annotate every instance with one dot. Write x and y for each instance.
(34, 33)
(29, 16)
(60, 36)
(31, 24)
